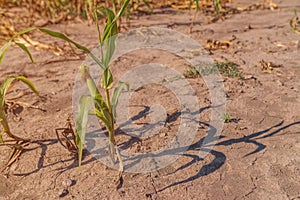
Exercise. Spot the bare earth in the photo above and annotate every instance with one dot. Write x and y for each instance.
(256, 157)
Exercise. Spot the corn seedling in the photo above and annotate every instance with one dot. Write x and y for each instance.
(4, 88)
(16, 142)
(9, 82)
(6, 85)
(105, 108)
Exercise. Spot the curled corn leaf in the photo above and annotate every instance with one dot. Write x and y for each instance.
(84, 106)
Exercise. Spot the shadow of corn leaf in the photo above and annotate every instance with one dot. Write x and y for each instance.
(219, 157)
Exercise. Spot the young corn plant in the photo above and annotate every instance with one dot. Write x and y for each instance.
(105, 106)
(4, 88)
(12, 140)
(9, 82)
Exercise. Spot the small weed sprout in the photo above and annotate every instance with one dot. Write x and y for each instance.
(226, 117)
(228, 69)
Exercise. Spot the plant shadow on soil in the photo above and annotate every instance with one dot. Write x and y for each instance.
(219, 157)
(205, 145)
(44, 144)
(201, 145)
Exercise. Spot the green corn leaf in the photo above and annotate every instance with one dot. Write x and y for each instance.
(111, 29)
(106, 116)
(84, 106)
(98, 99)
(78, 46)
(100, 103)
(64, 37)
(103, 118)
(28, 83)
(116, 95)
(7, 83)
(86, 77)
(109, 79)
(121, 11)
(22, 46)
(4, 49)
(111, 25)
(110, 45)
(23, 32)
(25, 49)
(110, 20)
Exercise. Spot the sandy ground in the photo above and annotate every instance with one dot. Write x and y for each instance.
(256, 157)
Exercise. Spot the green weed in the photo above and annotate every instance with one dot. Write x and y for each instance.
(226, 117)
(228, 69)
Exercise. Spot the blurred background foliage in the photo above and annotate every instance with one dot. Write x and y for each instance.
(16, 15)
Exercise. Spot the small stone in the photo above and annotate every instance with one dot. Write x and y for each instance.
(63, 192)
(67, 182)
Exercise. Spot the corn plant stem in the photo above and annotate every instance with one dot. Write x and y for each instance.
(6, 128)
(111, 133)
(120, 159)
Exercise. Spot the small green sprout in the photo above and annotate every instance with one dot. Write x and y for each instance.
(226, 117)
(229, 69)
